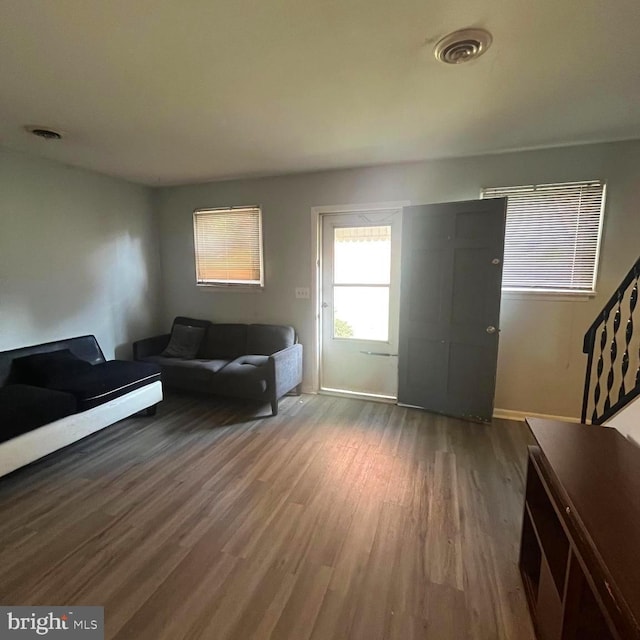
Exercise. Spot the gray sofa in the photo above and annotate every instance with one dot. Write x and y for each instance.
(260, 362)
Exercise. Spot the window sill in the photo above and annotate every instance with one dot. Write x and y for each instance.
(230, 288)
(548, 294)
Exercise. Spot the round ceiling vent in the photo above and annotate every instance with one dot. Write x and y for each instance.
(462, 46)
(42, 132)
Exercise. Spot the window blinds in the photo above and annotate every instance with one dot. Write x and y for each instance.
(552, 235)
(228, 246)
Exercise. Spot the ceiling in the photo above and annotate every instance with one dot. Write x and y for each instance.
(183, 91)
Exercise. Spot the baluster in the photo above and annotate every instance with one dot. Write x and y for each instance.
(614, 352)
(628, 335)
(600, 367)
(635, 300)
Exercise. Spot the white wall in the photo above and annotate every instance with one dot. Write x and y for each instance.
(78, 255)
(627, 421)
(540, 366)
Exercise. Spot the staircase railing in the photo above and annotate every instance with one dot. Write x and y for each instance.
(614, 381)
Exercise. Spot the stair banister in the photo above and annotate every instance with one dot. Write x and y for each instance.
(622, 303)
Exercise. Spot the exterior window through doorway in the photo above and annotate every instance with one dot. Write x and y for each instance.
(362, 279)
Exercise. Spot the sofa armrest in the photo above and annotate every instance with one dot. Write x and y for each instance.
(287, 369)
(150, 346)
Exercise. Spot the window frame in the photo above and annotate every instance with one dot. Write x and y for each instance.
(221, 285)
(546, 292)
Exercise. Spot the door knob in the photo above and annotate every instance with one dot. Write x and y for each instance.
(490, 329)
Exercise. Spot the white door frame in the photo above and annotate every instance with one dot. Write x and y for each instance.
(316, 247)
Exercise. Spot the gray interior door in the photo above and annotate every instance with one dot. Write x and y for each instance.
(450, 306)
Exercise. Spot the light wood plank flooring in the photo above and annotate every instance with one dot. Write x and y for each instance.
(337, 519)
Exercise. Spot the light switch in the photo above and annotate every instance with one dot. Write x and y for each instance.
(302, 292)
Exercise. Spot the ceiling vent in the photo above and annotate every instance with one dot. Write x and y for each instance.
(42, 132)
(462, 46)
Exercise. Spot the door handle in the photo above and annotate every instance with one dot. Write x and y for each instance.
(325, 305)
(379, 353)
(491, 329)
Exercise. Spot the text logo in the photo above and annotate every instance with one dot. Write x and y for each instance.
(71, 623)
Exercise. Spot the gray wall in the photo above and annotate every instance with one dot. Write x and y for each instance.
(78, 254)
(540, 367)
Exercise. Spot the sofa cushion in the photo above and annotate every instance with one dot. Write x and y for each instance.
(184, 342)
(40, 368)
(183, 373)
(25, 407)
(265, 339)
(84, 347)
(212, 366)
(224, 341)
(106, 381)
(245, 377)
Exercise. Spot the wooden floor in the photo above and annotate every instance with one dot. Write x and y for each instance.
(337, 519)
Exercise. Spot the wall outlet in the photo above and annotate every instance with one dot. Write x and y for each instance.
(303, 292)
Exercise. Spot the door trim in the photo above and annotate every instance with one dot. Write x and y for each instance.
(316, 248)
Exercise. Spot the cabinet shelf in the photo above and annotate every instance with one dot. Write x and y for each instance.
(551, 537)
(530, 559)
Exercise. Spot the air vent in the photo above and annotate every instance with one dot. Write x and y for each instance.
(47, 134)
(462, 46)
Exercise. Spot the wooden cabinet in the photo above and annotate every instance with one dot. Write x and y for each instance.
(580, 547)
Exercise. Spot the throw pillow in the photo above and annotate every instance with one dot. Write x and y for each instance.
(41, 368)
(184, 342)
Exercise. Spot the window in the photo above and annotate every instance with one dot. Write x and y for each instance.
(228, 247)
(552, 236)
(361, 282)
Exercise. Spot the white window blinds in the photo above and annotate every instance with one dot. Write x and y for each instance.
(552, 236)
(228, 247)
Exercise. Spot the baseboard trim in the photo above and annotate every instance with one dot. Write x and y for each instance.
(508, 414)
(503, 414)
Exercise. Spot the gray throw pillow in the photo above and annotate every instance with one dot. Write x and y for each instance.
(185, 341)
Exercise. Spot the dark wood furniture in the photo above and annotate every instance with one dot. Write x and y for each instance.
(580, 548)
